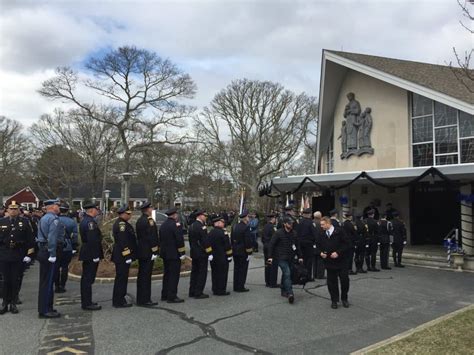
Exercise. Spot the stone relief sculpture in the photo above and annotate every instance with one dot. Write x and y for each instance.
(356, 129)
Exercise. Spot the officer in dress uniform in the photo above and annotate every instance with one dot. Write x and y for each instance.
(123, 253)
(16, 249)
(172, 251)
(350, 229)
(399, 239)
(70, 248)
(371, 241)
(147, 252)
(222, 256)
(384, 232)
(360, 243)
(271, 271)
(49, 236)
(201, 252)
(242, 248)
(306, 234)
(334, 214)
(90, 254)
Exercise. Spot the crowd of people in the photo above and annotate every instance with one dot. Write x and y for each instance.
(323, 245)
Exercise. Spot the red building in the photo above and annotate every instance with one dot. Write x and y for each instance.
(25, 197)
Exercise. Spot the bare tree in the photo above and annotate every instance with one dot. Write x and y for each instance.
(95, 142)
(464, 74)
(253, 128)
(14, 155)
(141, 93)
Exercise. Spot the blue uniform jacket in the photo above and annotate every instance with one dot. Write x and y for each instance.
(70, 232)
(50, 231)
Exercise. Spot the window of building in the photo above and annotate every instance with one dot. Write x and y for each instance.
(441, 134)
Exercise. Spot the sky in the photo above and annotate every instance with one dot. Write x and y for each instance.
(215, 41)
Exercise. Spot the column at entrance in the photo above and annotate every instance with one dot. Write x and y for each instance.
(467, 230)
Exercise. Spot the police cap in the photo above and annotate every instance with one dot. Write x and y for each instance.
(13, 205)
(200, 212)
(217, 219)
(145, 205)
(244, 214)
(51, 202)
(333, 211)
(308, 210)
(124, 209)
(287, 220)
(171, 211)
(89, 205)
(64, 206)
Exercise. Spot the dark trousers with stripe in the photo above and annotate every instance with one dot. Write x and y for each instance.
(11, 271)
(120, 283)
(219, 273)
(172, 269)
(63, 269)
(241, 266)
(89, 271)
(198, 276)
(145, 269)
(46, 282)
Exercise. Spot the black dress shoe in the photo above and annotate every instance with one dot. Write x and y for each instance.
(242, 290)
(400, 265)
(345, 304)
(49, 315)
(147, 304)
(322, 278)
(4, 308)
(334, 305)
(13, 309)
(222, 293)
(59, 290)
(375, 269)
(176, 300)
(191, 295)
(352, 272)
(201, 296)
(274, 286)
(92, 307)
(18, 301)
(291, 299)
(387, 268)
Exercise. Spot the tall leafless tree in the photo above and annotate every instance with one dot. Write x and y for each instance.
(140, 91)
(253, 128)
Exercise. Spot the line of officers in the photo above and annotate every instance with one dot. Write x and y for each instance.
(366, 236)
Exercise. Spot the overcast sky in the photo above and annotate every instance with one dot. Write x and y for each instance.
(215, 41)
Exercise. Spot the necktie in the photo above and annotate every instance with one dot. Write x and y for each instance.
(328, 234)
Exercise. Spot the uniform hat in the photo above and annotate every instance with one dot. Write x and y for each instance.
(13, 205)
(287, 220)
(89, 205)
(171, 211)
(333, 211)
(348, 213)
(217, 219)
(200, 212)
(358, 215)
(244, 214)
(124, 209)
(145, 205)
(308, 210)
(64, 206)
(51, 202)
(289, 208)
(370, 212)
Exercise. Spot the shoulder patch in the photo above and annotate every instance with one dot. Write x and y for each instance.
(122, 226)
(151, 221)
(56, 221)
(91, 226)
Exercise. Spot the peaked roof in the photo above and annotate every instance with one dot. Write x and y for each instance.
(436, 77)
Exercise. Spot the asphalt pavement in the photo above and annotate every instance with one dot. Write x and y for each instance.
(383, 304)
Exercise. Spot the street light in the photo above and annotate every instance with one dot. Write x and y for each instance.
(106, 195)
(125, 191)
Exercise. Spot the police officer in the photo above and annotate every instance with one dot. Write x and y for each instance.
(334, 214)
(271, 271)
(222, 256)
(372, 241)
(201, 252)
(172, 251)
(90, 254)
(16, 249)
(49, 236)
(399, 239)
(123, 253)
(147, 251)
(360, 243)
(319, 262)
(70, 248)
(351, 232)
(306, 234)
(384, 232)
(242, 248)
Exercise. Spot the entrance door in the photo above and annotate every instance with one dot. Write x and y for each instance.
(324, 203)
(434, 211)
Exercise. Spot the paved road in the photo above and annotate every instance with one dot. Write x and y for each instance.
(261, 321)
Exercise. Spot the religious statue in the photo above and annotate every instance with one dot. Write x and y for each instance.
(356, 129)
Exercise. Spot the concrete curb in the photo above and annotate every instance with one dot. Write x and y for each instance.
(411, 331)
(108, 280)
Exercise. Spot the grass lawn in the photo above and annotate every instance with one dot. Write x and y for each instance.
(454, 335)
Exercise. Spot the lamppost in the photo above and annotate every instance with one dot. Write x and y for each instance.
(125, 191)
(106, 195)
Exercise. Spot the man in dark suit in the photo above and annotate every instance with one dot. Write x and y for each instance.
(306, 234)
(271, 271)
(332, 247)
(242, 248)
(222, 256)
(172, 251)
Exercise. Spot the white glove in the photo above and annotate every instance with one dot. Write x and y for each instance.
(128, 261)
(314, 246)
(153, 257)
(210, 257)
(52, 259)
(74, 252)
(96, 260)
(378, 244)
(367, 245)
(182, 257)
(248, 258)
(27, 259)
(404, 243)
(229, 259)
